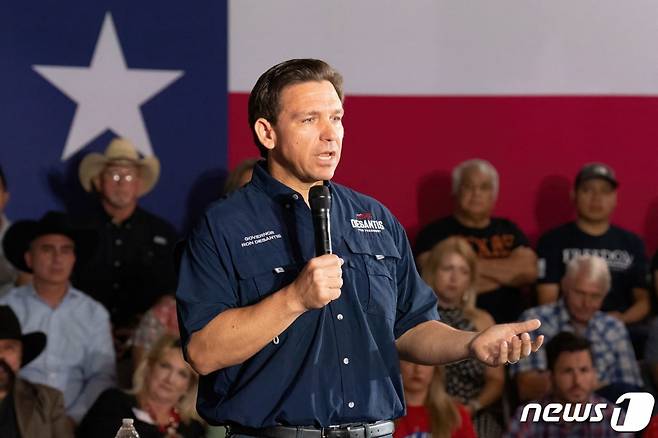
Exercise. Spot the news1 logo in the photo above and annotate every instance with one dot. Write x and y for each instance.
(638, 413)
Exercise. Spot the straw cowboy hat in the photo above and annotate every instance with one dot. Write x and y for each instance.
(119, 151)
(10, 328)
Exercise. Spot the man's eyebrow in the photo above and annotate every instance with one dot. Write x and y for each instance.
(305, 113)
(315, 112)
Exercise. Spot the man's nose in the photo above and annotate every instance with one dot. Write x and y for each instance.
(329, 131)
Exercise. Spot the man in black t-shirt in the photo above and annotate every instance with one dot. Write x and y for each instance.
(595, 198)
(505, 260)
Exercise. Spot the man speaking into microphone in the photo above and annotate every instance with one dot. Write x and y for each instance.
(290, 343)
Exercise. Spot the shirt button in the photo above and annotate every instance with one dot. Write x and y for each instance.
(118, 242)
(117, 263)
(287, 205)
(350, 405)
(339, 317)
(346, 361)
(115, 286)
(295, 196)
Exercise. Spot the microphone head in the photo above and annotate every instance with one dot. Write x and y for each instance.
(319, 198)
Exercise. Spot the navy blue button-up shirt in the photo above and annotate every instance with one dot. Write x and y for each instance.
(334, 365)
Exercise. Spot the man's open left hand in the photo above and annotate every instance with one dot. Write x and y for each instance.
(506, 343)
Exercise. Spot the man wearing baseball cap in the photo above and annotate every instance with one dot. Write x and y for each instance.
(595, 199)
(27, 410)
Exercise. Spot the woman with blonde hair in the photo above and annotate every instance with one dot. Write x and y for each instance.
(430, 410)
(162, 400)
(450, 269)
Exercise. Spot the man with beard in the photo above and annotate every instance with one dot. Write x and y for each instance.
(27, 410)
(573, 380)
(585, 286)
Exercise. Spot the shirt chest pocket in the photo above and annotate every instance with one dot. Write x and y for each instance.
(372, 262)
(259, 281)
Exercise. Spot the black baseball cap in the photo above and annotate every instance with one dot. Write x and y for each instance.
(596, 170)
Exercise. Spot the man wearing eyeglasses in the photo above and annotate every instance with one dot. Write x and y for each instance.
(133, 266)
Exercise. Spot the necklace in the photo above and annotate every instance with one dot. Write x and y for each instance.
(173, 421)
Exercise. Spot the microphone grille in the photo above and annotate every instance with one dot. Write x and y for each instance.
(319, 197)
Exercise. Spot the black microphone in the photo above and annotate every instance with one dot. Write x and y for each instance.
(319, 198)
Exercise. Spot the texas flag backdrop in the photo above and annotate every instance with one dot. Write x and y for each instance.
(537, 88)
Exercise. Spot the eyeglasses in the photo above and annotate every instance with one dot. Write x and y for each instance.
(117, 176)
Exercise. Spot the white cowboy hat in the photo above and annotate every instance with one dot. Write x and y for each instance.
(119, 150)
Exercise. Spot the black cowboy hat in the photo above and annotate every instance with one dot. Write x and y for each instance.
(20, 234)
(10, 328)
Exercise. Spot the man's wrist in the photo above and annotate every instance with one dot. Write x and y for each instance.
(469, 345)
(291, 298)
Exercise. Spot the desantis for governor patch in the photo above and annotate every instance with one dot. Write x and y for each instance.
(365, 223)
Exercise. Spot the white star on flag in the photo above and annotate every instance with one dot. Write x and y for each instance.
(108, 93)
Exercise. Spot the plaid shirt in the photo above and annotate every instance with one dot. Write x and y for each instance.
(612, 350)
(542, 429)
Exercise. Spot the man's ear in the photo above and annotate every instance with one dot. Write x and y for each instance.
(28, 259)
(265, 132)
(4, 199)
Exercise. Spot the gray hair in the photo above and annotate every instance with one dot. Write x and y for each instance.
(478, 164)
(590, 267)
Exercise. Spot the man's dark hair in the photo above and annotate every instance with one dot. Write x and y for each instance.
(565, 342)
(264, 100)
(3, 180)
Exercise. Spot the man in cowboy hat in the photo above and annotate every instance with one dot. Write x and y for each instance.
(133, 265)
(79, 358)
(7, 272)
(27, 410)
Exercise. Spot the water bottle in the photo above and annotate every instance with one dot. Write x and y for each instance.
(127, 430)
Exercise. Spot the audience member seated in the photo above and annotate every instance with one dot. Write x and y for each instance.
(651, 354)
(240, 175)
(573, 380)
(27, 410)
(7, 271)
(431, 412)
(79, 359)
(451, 270)
(162, 401)
(505, 261)
(595, 199)
(158, 320)
(584, 288)
(133, 265)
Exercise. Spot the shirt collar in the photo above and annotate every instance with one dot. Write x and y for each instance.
(565, 317)
(271, 186)
(106, 218)
(71, 293)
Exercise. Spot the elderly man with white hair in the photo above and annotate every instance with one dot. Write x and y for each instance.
(506, 262)
(584, 287)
